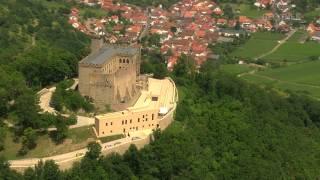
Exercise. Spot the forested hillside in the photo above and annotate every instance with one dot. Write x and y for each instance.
(37, 48)
(224, 129)
(38, 42)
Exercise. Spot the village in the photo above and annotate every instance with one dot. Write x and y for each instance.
(189, 26)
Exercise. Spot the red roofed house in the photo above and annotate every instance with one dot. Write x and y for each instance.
(244, 21)
(312, 28)
(221, 21)
(171, 62)
(218, 11)
(198, 49)
(189, 14)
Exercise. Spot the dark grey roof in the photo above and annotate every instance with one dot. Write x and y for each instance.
(107, 52)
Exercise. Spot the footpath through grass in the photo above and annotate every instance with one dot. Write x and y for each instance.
(303, 78)
(294, 50)
(258, 44)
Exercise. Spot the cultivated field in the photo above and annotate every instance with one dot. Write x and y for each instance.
(303, 78)
(258, 44)
(235, 69)
(295, 49)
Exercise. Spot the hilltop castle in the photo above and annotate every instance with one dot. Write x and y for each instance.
(109, 75)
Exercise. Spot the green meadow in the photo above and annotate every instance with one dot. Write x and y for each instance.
(295, 50)
(258, 44)
(235, 69)
(303, 78)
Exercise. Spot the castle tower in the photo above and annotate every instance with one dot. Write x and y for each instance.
(109, 75)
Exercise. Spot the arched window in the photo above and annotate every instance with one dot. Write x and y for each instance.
(128, 61)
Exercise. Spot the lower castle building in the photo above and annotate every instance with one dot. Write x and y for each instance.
(154, 109)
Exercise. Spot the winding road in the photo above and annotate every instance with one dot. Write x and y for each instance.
(45, 98)
(66, 160)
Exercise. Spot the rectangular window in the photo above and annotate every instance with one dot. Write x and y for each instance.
(130, 121)
(138, 119)
(152, 117)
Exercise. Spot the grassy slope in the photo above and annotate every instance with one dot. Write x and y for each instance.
(250, 11)
(303, 77)
(259, 43)
(235, 69)
(78, 139)
(294, 51)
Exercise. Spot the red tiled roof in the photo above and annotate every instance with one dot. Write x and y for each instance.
(189, 14)
(244, 19)
(134, 29)
(200, 33)
(221, 21)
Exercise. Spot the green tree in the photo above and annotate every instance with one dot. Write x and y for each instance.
(94, 151)
(29, 138)
(132, 157)
(5, 172)
(62, 130)
(47, 170)
(228, 11)
(26, 110)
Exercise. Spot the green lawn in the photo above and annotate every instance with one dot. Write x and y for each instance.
(304, 73)
(303, 78)
(297, 36)
(235, 69)
(78, 139)
(250, 11)
(111, 138)
(311, 15)
(246, 10)
(258, 44)
(92, 12)
(293, 50)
